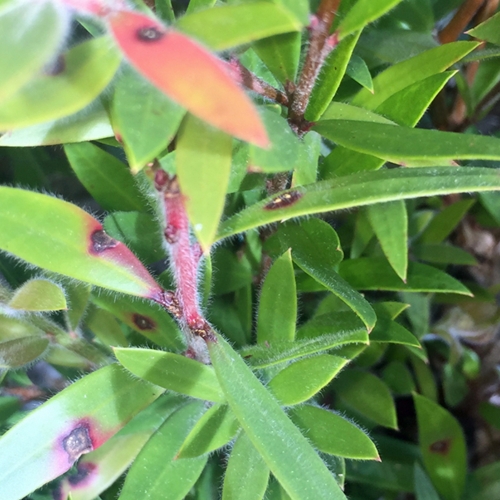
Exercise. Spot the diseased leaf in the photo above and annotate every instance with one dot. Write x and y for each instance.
(42, 26)
(290, 457)
(359, 189)
(88, 68)
(172, 371)
(442, 444)
(60, 237)
(79, 419)
(163, 59)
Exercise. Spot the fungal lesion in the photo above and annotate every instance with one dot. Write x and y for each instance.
(77, 442)
(100, 241)
(283, 200)
(143, 322)
(150, 34)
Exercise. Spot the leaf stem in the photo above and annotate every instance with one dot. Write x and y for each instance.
(320, 45)
(460, 20)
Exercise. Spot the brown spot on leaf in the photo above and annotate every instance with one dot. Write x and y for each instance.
(441, 447)
(143, 322)
(283, 200)
(101, 241)
(77, 442)
(150, 34)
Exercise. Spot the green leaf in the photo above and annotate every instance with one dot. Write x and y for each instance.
(392, 476)
(18, 352)
(390, 223)
(442, 253)
(145, 118)
(172, 371)
(105, 327)
(409, 71)
(99, 469)
(362, 13)
(300, 8)
(283, 155)
(203, 166)
(373, 273)
(263, 356)
(141, 232)
(359, 72)
(106, 178)
(290, 457)
(408, 146)
(147, 318)
(227, 26)
(281, 54)
(359, 189)
(165, 10)
(38, 295)
(329, 323)
(367, 394)
(87, 125)
(46, 443)
(486, 481)
(343, 111)
(214, 429)
(442, 444)
(443, 224)
(489, 31)
(278, 303)
(156, 469)
(32, 36)
(246, 474)
(88, 68)
(78, 295)
(330, 77)
(423, 486)
(399, 378)
(195, 5)
(303, 379)
(333, 434)
(388, 331)
(58, 236)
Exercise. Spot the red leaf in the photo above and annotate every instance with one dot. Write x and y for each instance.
(188, 74)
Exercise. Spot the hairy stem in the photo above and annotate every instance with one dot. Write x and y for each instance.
(320, 45)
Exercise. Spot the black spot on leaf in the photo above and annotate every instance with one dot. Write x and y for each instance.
(101, 241)
(150, 34)
(143, 322)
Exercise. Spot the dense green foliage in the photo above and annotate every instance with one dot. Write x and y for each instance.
(281, 292)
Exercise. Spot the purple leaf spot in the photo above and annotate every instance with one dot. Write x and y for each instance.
(150, 34)
(101, 241)
(77, 442)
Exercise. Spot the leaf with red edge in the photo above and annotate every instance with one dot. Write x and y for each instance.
(188, 74)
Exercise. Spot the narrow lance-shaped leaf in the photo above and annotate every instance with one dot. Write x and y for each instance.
(47, 442)
(489, 30)
(156, 469)
(87, 70)
(38, 295)
(405, 146)
(362, 13)
(290, 457)
(214, 429)
(390, 223)
(203, 165)
(247, 473)
(42, 26)
(172, 371)
(278, 303)
(333, 434)
(227, 26)
(442, 444)
(105, 177)
(177, 65)
(359, 189)
(58, 236)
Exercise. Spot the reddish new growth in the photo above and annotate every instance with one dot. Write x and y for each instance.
(184, 260)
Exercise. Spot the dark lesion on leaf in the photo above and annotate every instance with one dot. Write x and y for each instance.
(56, 67)
(143, 322)
(150, 34)
(283, 200)
(83, 470)
(100, 241)
(77, 442)
(441, 447)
